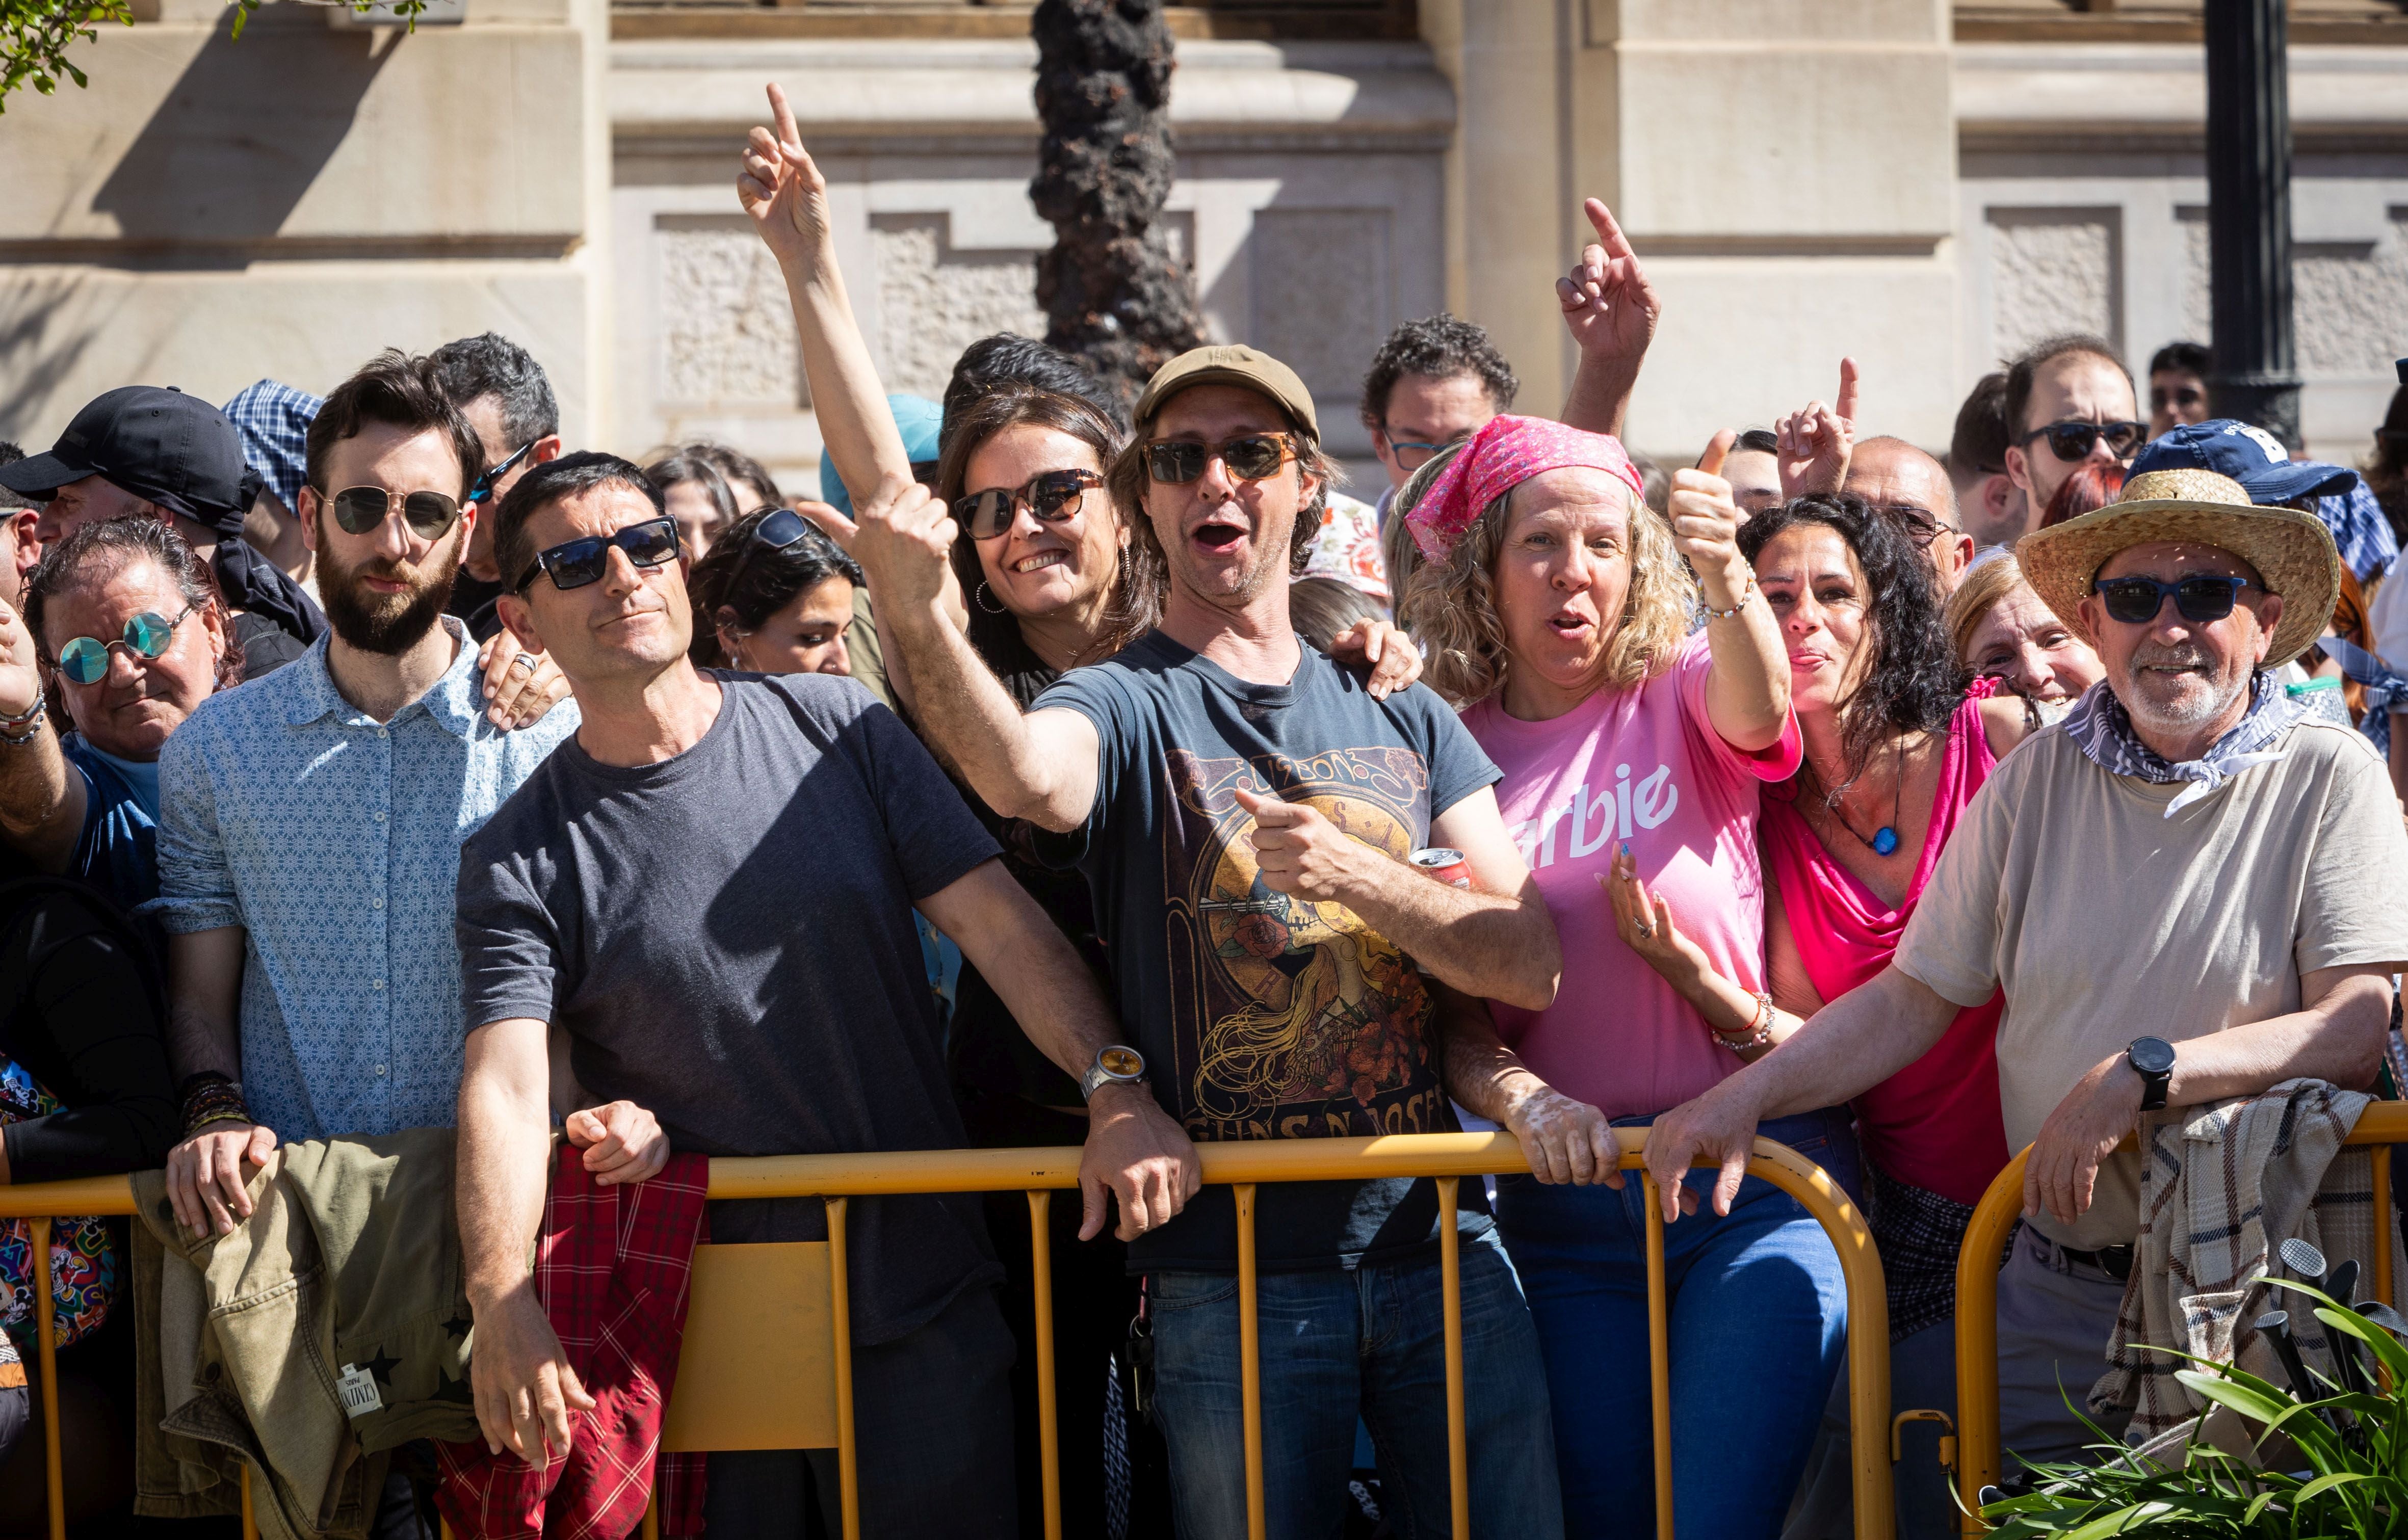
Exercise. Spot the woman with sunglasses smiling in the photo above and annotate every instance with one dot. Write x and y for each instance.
(774, 595)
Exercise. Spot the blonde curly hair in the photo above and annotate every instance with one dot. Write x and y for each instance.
(1450, 607)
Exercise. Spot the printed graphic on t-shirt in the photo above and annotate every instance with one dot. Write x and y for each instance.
(1293, 1020)
(1589, 823)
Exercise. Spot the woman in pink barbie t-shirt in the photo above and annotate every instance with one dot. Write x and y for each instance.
(1556, 609)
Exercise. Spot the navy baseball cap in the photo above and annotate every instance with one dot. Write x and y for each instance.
(174, 450)
(2249, 455)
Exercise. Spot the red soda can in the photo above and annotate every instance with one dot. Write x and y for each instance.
(1446, 865)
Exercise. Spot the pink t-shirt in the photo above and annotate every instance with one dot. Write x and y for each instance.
(1641, 766)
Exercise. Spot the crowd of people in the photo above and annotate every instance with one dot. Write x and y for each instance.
(1063, 775)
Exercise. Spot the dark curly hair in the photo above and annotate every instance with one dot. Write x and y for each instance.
(1443, 348)
(1913, 681)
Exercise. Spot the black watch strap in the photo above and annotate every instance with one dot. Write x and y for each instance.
(2153, 1060)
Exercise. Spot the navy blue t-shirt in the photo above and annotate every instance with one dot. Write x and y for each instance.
(1262, 1015)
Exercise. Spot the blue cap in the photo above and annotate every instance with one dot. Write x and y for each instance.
(2251, 456)
(918, 418)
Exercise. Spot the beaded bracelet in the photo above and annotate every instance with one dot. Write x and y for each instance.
(212, 1098)
(1745, 593)
(17, 731)
(1759, 1028)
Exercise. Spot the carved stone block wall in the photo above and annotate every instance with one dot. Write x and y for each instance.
(2350, 303)
(933, 301)
(2052, 270)
(727, 329)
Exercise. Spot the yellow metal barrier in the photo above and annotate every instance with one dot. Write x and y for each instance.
(1243, 1166)
(1977, 1297)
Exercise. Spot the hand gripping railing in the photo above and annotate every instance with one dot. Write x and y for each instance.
(1040, 1173)
(1977, 1297)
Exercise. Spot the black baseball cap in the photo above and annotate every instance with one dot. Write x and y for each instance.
(174, 450)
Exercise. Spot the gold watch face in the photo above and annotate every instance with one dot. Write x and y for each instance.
(1126, 1064)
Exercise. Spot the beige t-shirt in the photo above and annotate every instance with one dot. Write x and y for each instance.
(2105, 920)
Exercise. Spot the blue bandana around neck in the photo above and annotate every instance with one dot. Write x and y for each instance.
(2103, 729)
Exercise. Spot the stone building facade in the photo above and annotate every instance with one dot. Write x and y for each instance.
(1922, 184)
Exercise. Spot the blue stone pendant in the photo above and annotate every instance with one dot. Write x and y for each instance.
(1884, 841)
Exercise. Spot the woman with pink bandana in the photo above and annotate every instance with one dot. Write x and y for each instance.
(1557, 612)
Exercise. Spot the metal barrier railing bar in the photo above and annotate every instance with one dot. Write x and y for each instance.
(1977, 1298)
(1243, 1166)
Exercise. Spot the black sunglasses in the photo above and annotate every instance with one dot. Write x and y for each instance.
(1053, 496)
(1250, 457)
(776, 531)
(361, 509)
(2199, 598)
(574, 564)
(2072, 439)
(1923, 526)
(483, 491)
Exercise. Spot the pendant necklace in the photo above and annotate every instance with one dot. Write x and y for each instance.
(1885, 840)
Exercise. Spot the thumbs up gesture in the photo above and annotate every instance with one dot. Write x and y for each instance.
(1705, 524)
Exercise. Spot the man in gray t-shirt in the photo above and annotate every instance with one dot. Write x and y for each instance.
(709, 891)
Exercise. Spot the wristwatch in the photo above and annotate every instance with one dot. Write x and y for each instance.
(2153, 1060)
(1117, 1065)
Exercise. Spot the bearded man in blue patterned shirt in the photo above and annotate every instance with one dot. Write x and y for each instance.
(310, 823)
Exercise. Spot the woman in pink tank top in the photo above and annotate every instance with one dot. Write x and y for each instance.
(1897, 745)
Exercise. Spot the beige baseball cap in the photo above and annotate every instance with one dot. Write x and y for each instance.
(1230, 364)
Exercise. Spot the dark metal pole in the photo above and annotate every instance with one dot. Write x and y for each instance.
(2249, 216)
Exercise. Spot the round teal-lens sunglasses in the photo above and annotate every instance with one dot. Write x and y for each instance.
(85, 659)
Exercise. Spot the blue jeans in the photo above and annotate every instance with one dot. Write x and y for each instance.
(1758, 1323)
(1339, 1344)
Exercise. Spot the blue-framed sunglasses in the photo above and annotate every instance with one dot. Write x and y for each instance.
(482, 492)
(85, 659)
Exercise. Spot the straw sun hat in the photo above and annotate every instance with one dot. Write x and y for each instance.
(2292, 551)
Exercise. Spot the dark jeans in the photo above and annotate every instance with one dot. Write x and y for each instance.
(932, 1432)
(1094, 1301)
(1757, 1324)
(1338, 1343)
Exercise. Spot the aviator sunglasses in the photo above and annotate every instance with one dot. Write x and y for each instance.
(574, 564)
(1250, 457)
(360, 510)
(2199, 598)
(2072, 439)
(85, 659)
(1051, 496)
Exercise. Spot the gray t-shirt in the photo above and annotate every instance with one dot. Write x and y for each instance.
(726, 938)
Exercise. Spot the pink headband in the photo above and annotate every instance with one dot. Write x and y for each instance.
(1503, 455)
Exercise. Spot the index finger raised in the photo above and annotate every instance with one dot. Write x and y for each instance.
(784, 116)
(1850, 380)
(1609, 233)
(1717, 450)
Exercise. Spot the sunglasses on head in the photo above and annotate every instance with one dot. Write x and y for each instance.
(2199, 598)
(574, 564)
(1051, 496)
(85, 659)
(483, 491)
(2072, 439)
(777, 530)
(362, 511)
(1250, 457)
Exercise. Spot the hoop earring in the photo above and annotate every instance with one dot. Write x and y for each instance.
(981, 596)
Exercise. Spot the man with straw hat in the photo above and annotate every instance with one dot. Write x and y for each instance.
(2190, 890)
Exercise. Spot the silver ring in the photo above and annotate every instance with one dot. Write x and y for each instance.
(1645, 929)
(525, 661)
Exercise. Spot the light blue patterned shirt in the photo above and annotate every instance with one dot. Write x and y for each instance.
(334, 842)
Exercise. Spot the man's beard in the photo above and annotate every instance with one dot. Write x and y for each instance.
(2203, 698)
(388, 624)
